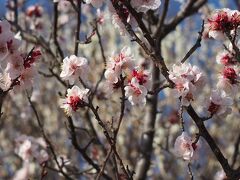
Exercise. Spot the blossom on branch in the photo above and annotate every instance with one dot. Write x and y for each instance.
(222, 21)
(229, 80)
(136, 93)
(226, 58)
(74, 67)
(188, 81)
(219, 103)
(185, 147)
(75, 99)
(118, 64)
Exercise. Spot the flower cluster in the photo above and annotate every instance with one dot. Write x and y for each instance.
(18, 68)
(28, 147)
(75, 99)
(137, 80)
(185, 147)
(222, 21)
(188, 81)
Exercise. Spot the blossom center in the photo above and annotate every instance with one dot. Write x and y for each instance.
(230, 74)
(74, 102)
(213, 108)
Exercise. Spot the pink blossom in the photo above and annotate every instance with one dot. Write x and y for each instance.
(14, 65)
(74, 67)
(188, 81)
(118, 64)
(136, 93)
(75, 99)
(185, 147)
(145, 5)
(142, 76)
(225, 58)
(229, 80)
(219, 104)
(27, 77)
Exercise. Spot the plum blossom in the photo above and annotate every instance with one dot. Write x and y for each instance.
(185, 147)
(139, 82)
(222, 21)
(226, 58)
(28, 147)
(95, 3)
(136, 93)
(143, 77)
(27, 78)
(219, 103)
(229, 80)
(118, 64)
(188, 81)
(75, 99)
(145, 5)
(14, 65)
(74, 67)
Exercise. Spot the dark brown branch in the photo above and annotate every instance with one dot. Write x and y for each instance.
(190, 8)
(163, 16)
(104, 165)
(236, 151)
(109, 138)
(195, 46)
(141, 24)
(82, 151)
(55, 30)
(77, 36)
(15, 11)
(232, 174)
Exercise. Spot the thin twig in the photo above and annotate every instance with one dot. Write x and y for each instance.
(195, 46)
